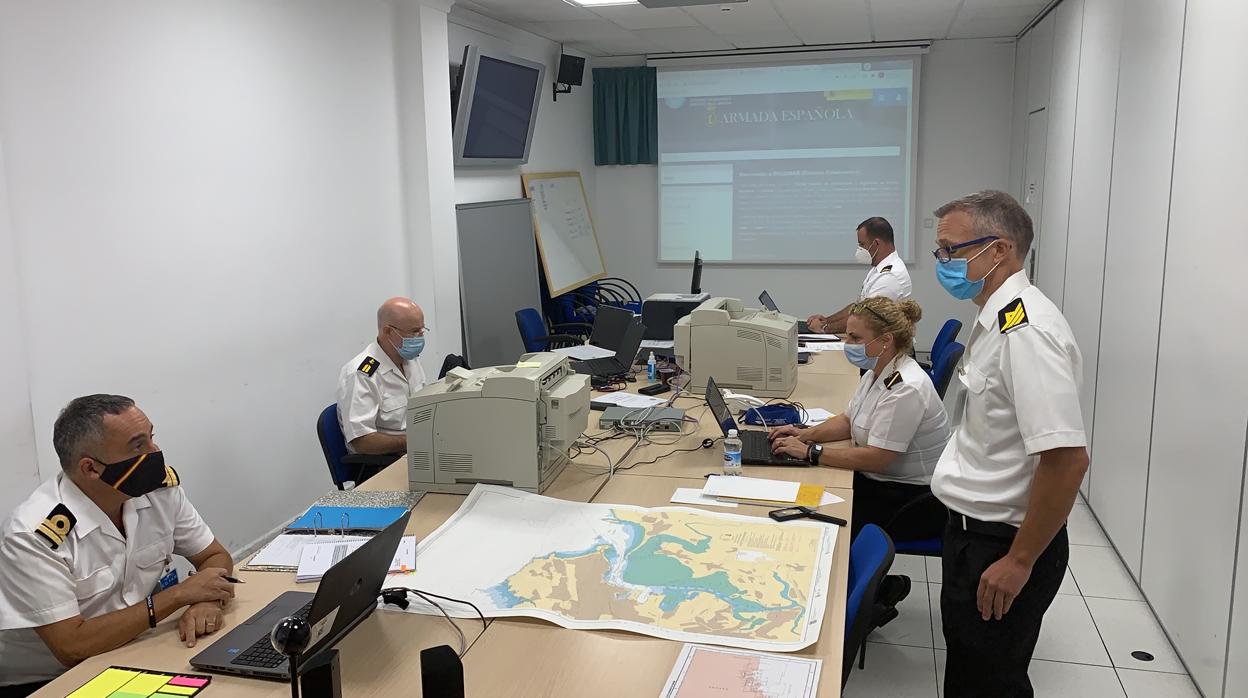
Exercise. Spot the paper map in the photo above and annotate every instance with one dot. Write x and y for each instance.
(671, 572)
(709, 672)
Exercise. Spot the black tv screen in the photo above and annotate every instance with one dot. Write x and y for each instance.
(497, 108)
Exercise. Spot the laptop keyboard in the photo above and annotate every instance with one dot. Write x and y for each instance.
(262, 654)
(755, 446)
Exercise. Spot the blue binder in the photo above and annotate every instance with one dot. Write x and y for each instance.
(346, 519)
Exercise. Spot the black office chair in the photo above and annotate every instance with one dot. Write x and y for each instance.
(913, 527)
(452, 361)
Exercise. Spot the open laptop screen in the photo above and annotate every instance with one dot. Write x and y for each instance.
(719, 408)
(610, 324)
(768, 303)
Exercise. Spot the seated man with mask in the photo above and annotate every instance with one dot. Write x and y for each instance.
(374, 386)
(86, 560)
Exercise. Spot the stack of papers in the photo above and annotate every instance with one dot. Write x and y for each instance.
(820, 347)
(818, 338)
(584, 352)
(284, 550)
(315, 560)
(757, 490)
(817, 415)
(630, 400)
(658, 344)
(702, 671)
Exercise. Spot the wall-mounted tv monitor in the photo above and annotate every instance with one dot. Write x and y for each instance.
(496, 108)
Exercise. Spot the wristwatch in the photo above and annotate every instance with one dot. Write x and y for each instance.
(814, 453)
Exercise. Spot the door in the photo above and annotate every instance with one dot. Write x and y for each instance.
(1033, 179)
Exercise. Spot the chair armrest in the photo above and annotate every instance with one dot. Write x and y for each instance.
(380, 459)
(557, 341)
(574, 328)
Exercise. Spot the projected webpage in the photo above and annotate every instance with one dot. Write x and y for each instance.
(781, 163)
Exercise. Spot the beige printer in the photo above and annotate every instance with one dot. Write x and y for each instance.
(504, 425)
(750, 351)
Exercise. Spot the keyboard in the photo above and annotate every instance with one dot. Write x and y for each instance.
(261, 654)
(756, 450)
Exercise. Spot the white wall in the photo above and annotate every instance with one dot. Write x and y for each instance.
(563, 138)
(964, 146)
(18, 466)
(205, 206)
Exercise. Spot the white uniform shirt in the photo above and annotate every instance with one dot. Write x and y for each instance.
(93, 571)
(900, 412)
(373, 392)
(890, 278)
(1022, 373)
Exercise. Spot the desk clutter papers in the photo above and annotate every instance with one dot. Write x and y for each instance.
(692, 495)
(820, 347)
(125, 682)
(816, 416)
(346, 519)
(715, 672)
(816, 337)
(630, 400)
(584, 352)
(658, 344)
(757, 490)
(282, 553)
(316, 559)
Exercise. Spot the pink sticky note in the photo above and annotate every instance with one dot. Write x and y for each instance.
(190, 681)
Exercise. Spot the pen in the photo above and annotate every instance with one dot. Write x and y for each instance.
(232, 580)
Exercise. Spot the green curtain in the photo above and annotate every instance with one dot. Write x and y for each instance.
(626, 116)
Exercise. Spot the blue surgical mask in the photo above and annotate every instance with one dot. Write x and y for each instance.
(411, 348)
(952, 275)
(857, 355)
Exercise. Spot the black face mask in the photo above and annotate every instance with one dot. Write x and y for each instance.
(135, 477)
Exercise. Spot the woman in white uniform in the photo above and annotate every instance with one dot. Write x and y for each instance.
(896, 421)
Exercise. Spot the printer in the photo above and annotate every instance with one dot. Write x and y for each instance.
(504, 425)
(660, 311)
(752, 351)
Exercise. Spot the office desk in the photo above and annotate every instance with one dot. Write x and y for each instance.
(523, 657)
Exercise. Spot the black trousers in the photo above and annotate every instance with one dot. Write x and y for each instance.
(990, 658)
(877, 501)
(21, 690)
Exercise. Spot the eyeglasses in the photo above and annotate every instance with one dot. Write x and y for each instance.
(859, 307)
(410, 333)
(945, 254)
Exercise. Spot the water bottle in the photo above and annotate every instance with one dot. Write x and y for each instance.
(652, 371)
(732, 453)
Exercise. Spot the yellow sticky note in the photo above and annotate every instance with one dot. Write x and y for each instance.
(180, 690)
(146, 684)
(104, 683)
(528, 364)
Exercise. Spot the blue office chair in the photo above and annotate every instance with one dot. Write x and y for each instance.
(345, 466)
(870, 557)
(949, 332)
(944, 365)
(537, 337)
(908, 528)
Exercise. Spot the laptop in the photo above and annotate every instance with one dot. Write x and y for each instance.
(610, 325)
(625, 352)
(755, 446)
(346, 596)
(768, 303)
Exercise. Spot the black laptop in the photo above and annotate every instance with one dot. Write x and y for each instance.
(755, 446)
(610, 325)
(625, 352)
(768, 303)
(346, 596)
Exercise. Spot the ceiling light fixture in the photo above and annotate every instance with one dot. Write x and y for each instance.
(600, 3)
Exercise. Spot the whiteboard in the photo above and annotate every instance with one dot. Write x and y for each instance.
(571, 256)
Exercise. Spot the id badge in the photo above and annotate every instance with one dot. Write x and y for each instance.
(168, 579)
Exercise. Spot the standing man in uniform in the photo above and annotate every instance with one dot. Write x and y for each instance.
(374, 386)
(85, 561)
(888, 276)
(1013, 467)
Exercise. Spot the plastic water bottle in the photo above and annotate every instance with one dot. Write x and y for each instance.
(652, 371)
(732, 453)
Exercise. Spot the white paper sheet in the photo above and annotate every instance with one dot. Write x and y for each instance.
(817, 415)
(283, 551)
(701, 672)
(739, 487)
(812, 337)
(630, 400)
(315, 560)
(820, 347)
(829, 498)
(584, 352)
(658, 344)
(692, 495)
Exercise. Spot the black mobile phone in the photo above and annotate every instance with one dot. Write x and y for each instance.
(803, 357)
(655, 389)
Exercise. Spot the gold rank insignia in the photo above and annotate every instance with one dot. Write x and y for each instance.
(892, 380)
(886, 269)
(1012, 316)
(369, 366)
(58, 525)
(171, 477)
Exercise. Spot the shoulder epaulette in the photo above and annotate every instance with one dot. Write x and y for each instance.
(369, 366)
(886, 269)
(892, 380)
(56, 526)
(1012, 316)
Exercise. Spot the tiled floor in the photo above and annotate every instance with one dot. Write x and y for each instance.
(1097, 620)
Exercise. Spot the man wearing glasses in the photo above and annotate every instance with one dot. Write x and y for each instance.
(374, 386)
(1010, 473)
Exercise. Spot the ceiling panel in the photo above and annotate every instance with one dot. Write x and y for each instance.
(763, 39)
(638, 17)
(686, 39)
(527, 10)
(905, 29)
(980, 28)
(581, 30)
(824, 22)
(755, 15)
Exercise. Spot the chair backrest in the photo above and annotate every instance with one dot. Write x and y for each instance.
(944, 365)
(917, 527)
(333, 445)
(870, 557)
(452, 361)
(947, 334)
(532, 329)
